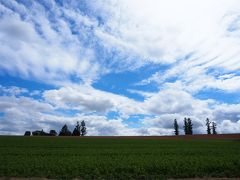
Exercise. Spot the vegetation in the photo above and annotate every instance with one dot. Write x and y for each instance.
(53, 132)
(208, 124)
(78, 130)
(188, 126)
(65, 131)
(109, 158)
(176, 128)
(27, 133)
(214, 127)
(42, 133)
(209, 127)
(83, 129)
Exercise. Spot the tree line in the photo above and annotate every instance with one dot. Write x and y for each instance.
(188, 127)
(79, 130)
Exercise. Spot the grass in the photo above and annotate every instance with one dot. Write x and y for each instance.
(94, 158)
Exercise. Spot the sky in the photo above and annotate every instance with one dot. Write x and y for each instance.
(125, 67)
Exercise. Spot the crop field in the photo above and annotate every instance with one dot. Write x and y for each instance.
(118, 158)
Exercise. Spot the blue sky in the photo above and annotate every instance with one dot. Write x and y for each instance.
(126, 67)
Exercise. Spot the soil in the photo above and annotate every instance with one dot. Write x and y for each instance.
(205, 178)
(195, 136)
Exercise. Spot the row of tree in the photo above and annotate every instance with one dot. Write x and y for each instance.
(188, 127)
(211, 127)
(79, 130)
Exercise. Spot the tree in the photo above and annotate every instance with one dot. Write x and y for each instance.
(52, 133)
(39, 133)
(36, 133)
(83, 129)
(208, 124)
(64, 131)
(214, 127)
(27, 133)
(190, 125)
(176, 130)
(76, 131)
(185, 127)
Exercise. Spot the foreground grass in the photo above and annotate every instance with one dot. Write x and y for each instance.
(91, 158)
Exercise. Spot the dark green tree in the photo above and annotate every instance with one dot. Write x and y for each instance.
(65, 131)
(83, 129)
(190, 126)
(52, 132)
(176, 130)
(39, 133)
(208, 124)
(27, 133)
(185, 127)
(76, 131)
(214, 127)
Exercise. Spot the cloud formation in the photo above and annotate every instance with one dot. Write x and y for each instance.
(182, 50)
(38, 43)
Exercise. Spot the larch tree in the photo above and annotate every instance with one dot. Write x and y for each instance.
(185, 127)
(83, 129)
(208, 124)
(65, 131)
(176, 128)
(76, 131)
(214, 127)
(190, 126)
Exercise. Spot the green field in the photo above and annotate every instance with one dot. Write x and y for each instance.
(109, 158)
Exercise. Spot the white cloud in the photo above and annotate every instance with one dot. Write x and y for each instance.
(25, 113)
(177, 101)
(51, 45)
(193, 79)
(193, 36)
(87, 99)
(12, 90)
(164, 31)
(227, 112)
(227, 126)
(37, 47)
(21, 103)
(101, 126)
(22, 113)
(199, 40)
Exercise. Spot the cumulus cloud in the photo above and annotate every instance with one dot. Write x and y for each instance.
(175, 101)
(227, 126)
(87, 99)
(20, 113)
(164, 106)
(227, 111)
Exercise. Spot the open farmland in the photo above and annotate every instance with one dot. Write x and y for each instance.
(120, 157)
